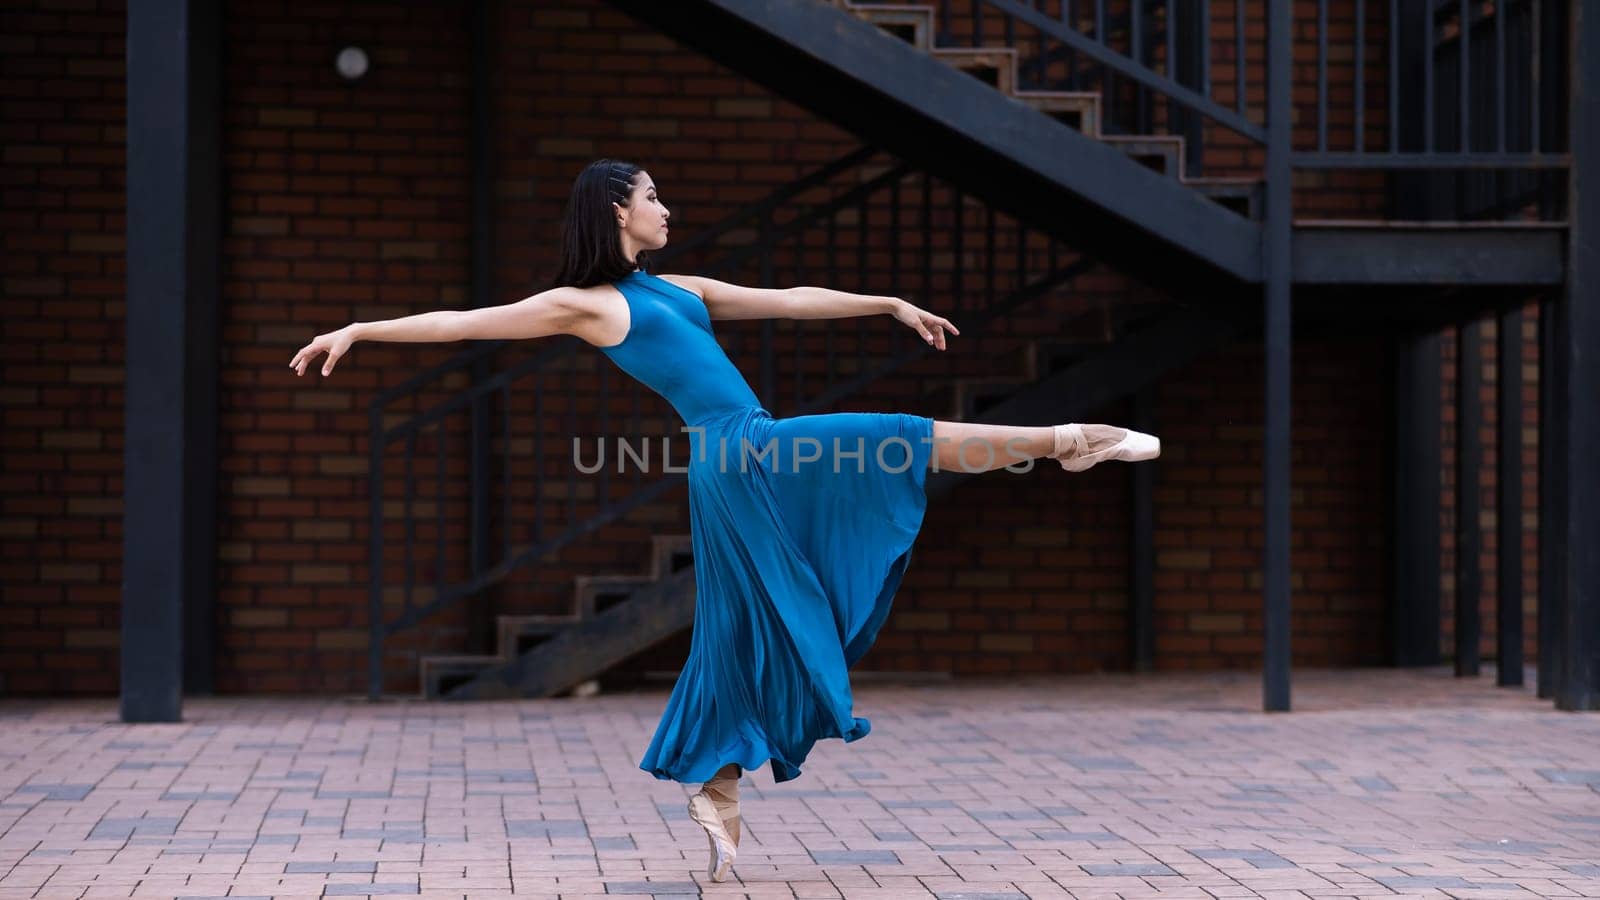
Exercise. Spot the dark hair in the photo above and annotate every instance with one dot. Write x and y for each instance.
(591, 247)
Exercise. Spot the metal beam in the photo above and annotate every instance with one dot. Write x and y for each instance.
(1421, 255)
(170, 408)
(1142, 553)
(482, 16)
(1431, 161)
(1552, 494)
(1414, 492)
(1580, 685)
(1277, 272)
(1469, 466)
(1508, 506)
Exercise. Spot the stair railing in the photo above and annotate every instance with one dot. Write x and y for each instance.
(1447, 97)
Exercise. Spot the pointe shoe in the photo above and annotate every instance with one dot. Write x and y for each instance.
(720, 843)
(1072, 447)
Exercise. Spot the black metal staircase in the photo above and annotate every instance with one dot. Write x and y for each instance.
(1105, 126)
(1043, 147)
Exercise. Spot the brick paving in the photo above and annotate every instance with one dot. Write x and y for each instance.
(1382, 783)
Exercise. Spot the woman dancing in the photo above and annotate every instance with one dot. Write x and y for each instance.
(797, 553)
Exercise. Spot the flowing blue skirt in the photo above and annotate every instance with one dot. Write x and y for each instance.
(802, 530)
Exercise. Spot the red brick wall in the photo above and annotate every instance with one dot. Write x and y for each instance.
(350, 202)
(347, 201)
(61, 112)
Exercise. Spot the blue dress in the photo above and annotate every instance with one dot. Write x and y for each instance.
(801, 528)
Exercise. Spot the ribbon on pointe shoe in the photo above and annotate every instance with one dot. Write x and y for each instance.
(1070, 442)
(723, 792)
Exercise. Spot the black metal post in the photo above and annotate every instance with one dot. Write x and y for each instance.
(1358, 108)
(375, 624)
(1552, 495)
(480, 623)
(1469, 464)
(1508, 506)
(170, 419)
(1580, 687)
(1142, 555)
(1238, 56)
(1322, 76)
(1414, 492)
(1276, 346)
(769, 374)
(1193, 31)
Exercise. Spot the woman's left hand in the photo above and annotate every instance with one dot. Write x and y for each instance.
(930, 326)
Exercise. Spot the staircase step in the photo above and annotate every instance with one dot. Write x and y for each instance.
(960, 399)
(518, 634)
(593, 594)
(587, 649)
(441, 673)
(975, 395)
(1163, 153)
(1049, 357)
(1242, 195)
(912, 24)
(670, 553)
(1075, 109)
(994, 66)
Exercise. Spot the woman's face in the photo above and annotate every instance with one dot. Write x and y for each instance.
(644, 220)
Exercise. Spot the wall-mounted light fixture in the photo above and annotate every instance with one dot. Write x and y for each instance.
(351, 63)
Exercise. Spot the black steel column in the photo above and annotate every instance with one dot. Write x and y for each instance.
(1276, 235)
(1142, 555)
(1414, 497)
(1469, 467)
(482, 17)
(1552, 494)
(1508, 508)
(1580, 631)
(170, 405)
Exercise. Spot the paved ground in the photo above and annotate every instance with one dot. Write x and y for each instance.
(1380, 784)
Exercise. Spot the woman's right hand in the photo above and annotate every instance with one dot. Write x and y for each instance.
(334, 343)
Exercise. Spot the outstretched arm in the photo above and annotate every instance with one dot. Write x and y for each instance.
(731, 301)
(556, 311)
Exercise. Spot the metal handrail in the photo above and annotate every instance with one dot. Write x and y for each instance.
(1444, 39)
(1131, 68)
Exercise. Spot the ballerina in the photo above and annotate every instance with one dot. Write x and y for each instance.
(797, 554)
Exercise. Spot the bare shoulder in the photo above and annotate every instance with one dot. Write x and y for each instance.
(600, 313)
(694, 284)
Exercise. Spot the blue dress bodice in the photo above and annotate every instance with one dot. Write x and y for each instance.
(671, 349)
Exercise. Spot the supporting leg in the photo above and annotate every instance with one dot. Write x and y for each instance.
(708, 808)
(723, 789)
